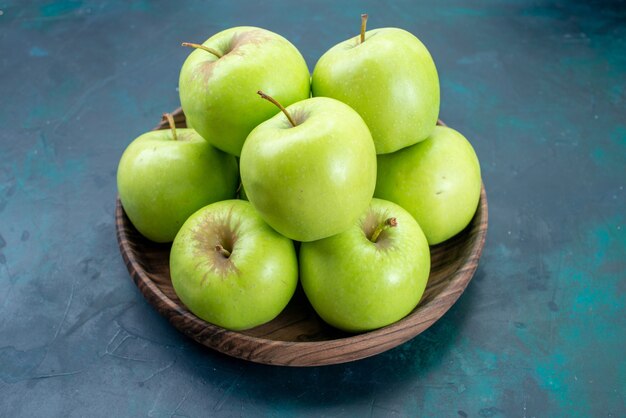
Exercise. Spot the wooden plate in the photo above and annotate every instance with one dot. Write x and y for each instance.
(298, 337)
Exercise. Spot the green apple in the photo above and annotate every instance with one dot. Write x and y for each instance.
(230, 268)
(312, 173)
(219, 80)
(371, 275)
(165, 176)
(437, 180)
(389, 78)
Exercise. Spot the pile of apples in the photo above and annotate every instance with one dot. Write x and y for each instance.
(340, 180)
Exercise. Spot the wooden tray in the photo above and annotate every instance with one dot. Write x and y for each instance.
(298, 337)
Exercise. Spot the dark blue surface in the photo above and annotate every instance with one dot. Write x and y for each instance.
(538, 87)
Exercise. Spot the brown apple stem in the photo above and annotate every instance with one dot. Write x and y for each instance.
(222, 250)
(206, 48)
(363, 25)
(170, 120)
(282, 109)
(387, 223)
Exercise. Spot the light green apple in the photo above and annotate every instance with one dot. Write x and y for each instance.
(390, 79)
(314, 179)
(230, 268)
(371, 275)
(437, 180)
(162, 180)
(218, 88)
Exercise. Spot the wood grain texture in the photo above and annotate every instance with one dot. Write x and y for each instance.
(298, 337)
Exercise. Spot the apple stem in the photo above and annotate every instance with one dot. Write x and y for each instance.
(170, 120)
(363, 25)
(387, 223)
(271, 99)
(222, 250)
(206, 48)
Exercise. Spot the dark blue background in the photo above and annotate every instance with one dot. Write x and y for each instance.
(538, 87)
